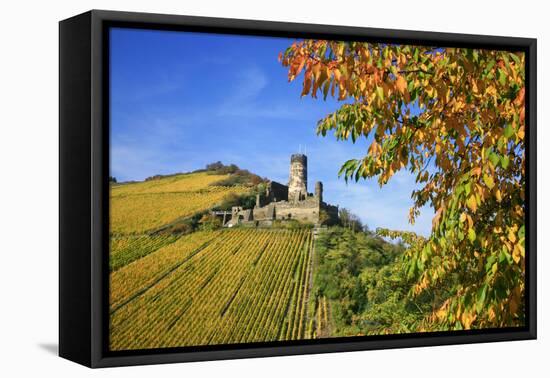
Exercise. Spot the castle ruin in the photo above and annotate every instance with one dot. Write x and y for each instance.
(292, 202)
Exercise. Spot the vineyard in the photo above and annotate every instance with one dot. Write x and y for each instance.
(145, 206)
(204, 286)
(128, 248)
(215, 287)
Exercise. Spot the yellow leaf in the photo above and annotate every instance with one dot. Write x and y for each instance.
(472, 203)
(498, 195)
(488, 180)
(467, 319)
(470, 221)
(521, 133)
(517, 253)
(511, 236)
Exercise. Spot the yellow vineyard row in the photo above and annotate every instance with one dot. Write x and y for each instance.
(227, 286)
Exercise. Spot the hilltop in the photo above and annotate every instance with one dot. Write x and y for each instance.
(161, 201)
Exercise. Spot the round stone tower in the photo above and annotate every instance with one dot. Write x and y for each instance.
(297, 182)
(319, 191)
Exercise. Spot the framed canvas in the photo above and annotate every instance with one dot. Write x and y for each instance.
(235, 188)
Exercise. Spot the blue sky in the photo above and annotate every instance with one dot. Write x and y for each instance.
(182, 100)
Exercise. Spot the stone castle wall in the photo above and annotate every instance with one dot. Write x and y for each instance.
(275, 192)
(304, 211)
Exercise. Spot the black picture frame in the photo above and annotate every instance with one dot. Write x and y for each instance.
(84, 187)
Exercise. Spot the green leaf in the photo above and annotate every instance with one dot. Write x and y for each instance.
(490, 65)
(323, 50)
(505, 161)
(504, 256)
(515, 58)
(468, 188)
(501, 77)
(488, 180)
(490, 261)
(494, 158)
(508, 131)
(348, 168)
(420, 265)
(471, 235)
(521, 232)
(480, 297)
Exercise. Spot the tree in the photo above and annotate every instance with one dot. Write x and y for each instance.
(455, 118)
(214, 166)
(349, 220)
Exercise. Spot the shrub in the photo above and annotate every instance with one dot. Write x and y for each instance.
(220, 169)
(209, 222)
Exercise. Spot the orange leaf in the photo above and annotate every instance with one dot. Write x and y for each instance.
(400, 84)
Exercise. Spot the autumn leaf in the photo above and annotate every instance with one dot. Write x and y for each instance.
(400, 84)
(471, 202)
(488, 180)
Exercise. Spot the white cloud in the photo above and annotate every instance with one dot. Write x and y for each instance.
(243, 99)
(248, 85)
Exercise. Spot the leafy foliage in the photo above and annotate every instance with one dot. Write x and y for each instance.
(237, 176)
(349, 220)
(219, 168)
(455, 118)
(345, 267)
(209, 222)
